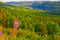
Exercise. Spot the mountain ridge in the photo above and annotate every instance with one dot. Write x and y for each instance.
(38, 5)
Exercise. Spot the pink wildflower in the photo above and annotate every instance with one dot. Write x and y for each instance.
(16, 23)
(0, 32)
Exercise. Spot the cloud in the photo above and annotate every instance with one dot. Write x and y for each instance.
(15, 0)
(48, 0)
(27, 0)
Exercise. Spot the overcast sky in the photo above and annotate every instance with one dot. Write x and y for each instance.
(26, 0)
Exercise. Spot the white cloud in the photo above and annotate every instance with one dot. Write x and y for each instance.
(27, 0)
(15, 0)
(54, 0)
(48, 0)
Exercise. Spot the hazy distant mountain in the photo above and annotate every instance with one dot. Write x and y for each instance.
(47, 5)
(51, 7)
(37, 5)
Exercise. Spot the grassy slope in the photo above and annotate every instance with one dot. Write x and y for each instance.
(31, 17)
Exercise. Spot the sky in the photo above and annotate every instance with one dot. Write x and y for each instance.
(26, 0)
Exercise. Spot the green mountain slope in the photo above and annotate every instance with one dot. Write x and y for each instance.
(33, 24)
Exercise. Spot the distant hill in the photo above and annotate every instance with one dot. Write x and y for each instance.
(46, 6)
(37, 5)
(50, 7)
(5, 5)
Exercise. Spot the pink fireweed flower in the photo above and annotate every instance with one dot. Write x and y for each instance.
(0, 32)
(16, 23)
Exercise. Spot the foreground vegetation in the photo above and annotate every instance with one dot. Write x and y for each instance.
(33, 24)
